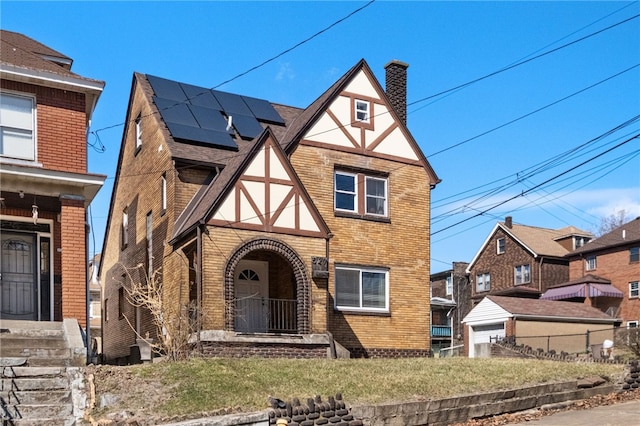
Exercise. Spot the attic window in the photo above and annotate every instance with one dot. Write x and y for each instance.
(138, 122)
(500, 245)
(362, 111)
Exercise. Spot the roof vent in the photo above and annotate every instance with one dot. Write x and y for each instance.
(624, 234)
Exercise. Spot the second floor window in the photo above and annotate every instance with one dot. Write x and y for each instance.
(124, 237)
(449, 289)
(362, 288)
(591, 263)
(634, 290)
(163, 192)
(483, 282)
(500, 245)
(348, 198)
(522, 274)
(634, 254)
(138, 133)
(17, 127)
(362, 111)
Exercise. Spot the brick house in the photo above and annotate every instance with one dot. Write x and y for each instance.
(45, 112)
(281, 231)
(523, 261)
(605, 274)
(450, 303)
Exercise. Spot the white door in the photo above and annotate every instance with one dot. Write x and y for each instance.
(252, 293)
(18, 279)
(484, 334)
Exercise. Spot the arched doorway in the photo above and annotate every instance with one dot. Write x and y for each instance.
(266, 289)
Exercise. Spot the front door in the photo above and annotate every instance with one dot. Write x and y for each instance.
(252, 293)
(18, 277)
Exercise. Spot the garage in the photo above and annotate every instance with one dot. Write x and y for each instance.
(483, 334)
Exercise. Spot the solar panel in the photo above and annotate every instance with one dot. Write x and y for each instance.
(196, 134)
(175, 112)
(247, 126)
(201, 96)
(166, 89)
(232, 104)
(208, 118)
(263, 110)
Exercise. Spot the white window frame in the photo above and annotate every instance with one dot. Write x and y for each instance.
(163, 192)
(362, 110)
(483, 282)
(361, 306)
(125, 228)
(591, 262)
(522, 274)
(353, 194)
(384, 198)
(449, 285)
(634, 289)
(23, 131)
(138, 122)
(633, 324)
(500, 245)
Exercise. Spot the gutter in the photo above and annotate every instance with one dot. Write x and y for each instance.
(567, 319)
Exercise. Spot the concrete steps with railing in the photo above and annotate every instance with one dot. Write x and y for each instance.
(40, 375)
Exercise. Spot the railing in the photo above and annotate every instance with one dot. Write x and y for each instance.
(263, 315)
(440, 331)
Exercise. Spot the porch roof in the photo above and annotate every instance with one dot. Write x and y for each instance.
(582, 290)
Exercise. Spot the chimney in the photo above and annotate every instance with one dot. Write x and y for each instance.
(508, 221)
(396, 87)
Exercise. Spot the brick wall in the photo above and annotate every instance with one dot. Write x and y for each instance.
(614, 265)
(61, 126)
(402, 245)
(74, 272)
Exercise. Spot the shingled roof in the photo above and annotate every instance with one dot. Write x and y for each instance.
(520, 307)
(542, 241)
(628, 233)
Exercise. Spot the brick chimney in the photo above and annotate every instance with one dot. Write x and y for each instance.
(396, 87)
(508, 221)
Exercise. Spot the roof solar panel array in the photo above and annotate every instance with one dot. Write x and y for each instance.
(197, 114)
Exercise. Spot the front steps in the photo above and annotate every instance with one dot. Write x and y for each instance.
(40, 375)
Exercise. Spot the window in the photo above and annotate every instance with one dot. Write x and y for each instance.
(634, 254)
(124, 238)
(149, 240)
(634, 290)
(522, 274)
(632, 324)
(17, 125)
(362, 110)
(579, 242)
(483, 282)
(591, 263)
(163, 192)
(346, 195)
(500, 245)
(347, 198)
(105, 307)
(138, 122)
(376, 190)
(449, 285)
(362, 289)
(121, 303)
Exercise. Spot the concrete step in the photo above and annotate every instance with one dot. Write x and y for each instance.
(27, 352)
(36, 397)
(18, 341)
(31, 328)
(38, 411)
(70, 421)
(35, 384)
(20, 372)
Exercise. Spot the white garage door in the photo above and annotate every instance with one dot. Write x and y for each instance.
(484, 334)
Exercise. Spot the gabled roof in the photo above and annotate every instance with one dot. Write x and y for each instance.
(537, 241)
(626, 234)
(549, 309)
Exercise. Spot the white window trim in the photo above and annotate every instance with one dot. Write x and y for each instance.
(386, 195)
(163, 190)
(367, 111)
(637, 289)
(363, 309)
(498, 251)
(449, 285)
(138, 122)
(34, 131)
(336, 191)
(524, 267)
(588, 265)
(633, 324)
(484, 283)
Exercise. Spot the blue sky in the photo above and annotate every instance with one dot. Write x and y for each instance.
(485, 140)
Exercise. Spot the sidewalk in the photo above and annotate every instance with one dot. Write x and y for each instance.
(623, 413)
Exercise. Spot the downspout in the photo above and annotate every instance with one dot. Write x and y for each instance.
(199, 285)
(87, 293)
(332, 343)
(540, 274)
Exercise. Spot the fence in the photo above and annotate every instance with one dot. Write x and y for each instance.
(589, 341)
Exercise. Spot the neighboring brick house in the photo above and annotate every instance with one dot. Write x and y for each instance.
(450, 303)
(45, 113)
(277, 228)
(523, 261)
(605, 274)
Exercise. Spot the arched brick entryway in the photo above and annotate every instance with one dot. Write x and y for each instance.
(301, 277)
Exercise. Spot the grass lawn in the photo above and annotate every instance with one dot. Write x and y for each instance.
(209, 385)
